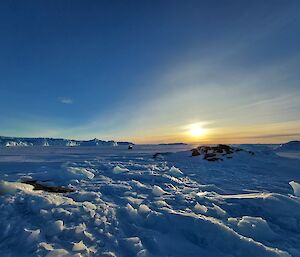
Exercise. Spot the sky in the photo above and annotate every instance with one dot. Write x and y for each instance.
(151, 71)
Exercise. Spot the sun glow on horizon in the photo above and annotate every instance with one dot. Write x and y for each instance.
(195, 130)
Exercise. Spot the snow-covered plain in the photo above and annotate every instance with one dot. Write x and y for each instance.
(126, 203)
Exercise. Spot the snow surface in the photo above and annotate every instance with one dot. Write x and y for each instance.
(128, 204)
(289, 150)
(290, 146)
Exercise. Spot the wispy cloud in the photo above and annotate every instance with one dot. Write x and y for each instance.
(65, 100)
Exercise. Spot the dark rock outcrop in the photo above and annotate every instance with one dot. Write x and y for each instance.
(215, 153)
(195, 152)
(52, 189)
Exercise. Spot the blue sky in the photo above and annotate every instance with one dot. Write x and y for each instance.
(145, 70)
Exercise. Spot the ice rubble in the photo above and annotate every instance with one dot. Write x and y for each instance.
(134, 205)
(62, 175)
(175, 172)
(119, 170)
(296, 187)
(12, 187)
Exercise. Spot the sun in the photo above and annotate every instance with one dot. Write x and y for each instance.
(195, 130)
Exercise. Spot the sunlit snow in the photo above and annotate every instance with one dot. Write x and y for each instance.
(127, 203)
